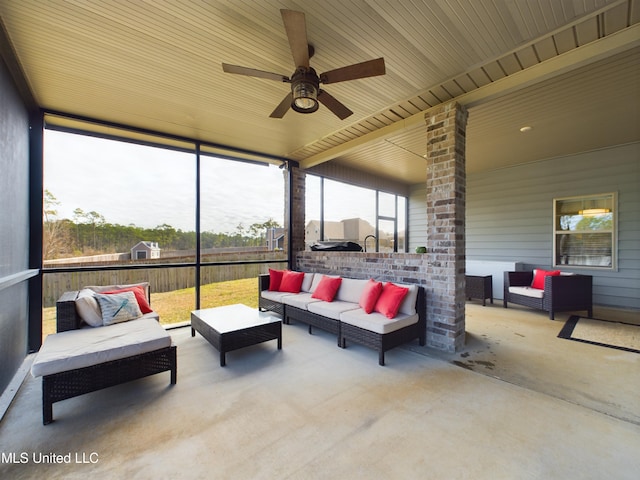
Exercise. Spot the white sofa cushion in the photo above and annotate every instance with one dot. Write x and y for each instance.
(307, 282)
(408, 305)
(350, 290)
(301, 300)
(275, 296)
(332, 309)
(527, 291)
(88, 346)
(376, 322)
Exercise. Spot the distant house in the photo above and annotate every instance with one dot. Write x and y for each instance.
(275, 238)
(145, 250)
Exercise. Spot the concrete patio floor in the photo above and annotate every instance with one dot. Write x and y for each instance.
(517, 403)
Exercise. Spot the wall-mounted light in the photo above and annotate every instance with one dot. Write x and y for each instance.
(526, 129)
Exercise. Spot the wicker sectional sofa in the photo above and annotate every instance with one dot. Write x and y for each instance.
(80, 359)
(344, 316)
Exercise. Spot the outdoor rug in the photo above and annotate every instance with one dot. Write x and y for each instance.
(623, 336)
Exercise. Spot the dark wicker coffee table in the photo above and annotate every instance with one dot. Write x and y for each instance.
(232, 327)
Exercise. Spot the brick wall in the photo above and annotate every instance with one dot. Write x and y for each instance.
(446, 183)
(388, 267)
(295, 210)
(441, 270)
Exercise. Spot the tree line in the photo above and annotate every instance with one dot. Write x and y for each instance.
(88, 233)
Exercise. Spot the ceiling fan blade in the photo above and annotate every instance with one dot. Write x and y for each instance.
(283, 108)
(369, 68)
(294, 24)
(252, 72)
(334, 105)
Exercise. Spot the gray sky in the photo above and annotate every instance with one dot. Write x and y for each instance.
(145, 186)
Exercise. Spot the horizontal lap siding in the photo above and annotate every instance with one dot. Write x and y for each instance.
(510, 214)
(417, 217)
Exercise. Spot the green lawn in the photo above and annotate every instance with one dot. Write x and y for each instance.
(176, 306)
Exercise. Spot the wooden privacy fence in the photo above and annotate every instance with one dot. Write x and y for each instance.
(160, 279)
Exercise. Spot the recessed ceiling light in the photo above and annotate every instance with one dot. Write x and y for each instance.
(526, 129)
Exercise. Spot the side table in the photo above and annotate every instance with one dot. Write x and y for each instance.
(479, 286)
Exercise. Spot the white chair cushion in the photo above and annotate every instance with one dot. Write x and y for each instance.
(527, 291)
(89, 346)
(376, 322)
(87, 308)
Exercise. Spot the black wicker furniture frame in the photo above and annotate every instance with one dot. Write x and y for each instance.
(264, 304)
(72, 383)
(387, 341)
(562, 293)
(479, 286)
(312, 320)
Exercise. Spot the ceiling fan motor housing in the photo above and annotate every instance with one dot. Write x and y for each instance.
(305, 85)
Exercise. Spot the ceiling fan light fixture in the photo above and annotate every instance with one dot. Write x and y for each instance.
(304, 87)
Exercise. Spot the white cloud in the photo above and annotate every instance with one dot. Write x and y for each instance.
(146, 186)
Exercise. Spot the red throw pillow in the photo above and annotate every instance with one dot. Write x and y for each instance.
(390, 299)
(275, 278)
(291, 281)
(327, 288)
(538, 278)
(140, 295)
(370, 295)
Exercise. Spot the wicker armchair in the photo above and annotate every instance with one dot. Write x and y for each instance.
(562, 293)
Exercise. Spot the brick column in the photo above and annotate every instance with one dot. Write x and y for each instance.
(294, 210)
(446, 186)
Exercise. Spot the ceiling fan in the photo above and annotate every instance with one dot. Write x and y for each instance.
(305, 82)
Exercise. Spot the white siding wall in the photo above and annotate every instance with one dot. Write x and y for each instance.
(510, 215)
(417, 217)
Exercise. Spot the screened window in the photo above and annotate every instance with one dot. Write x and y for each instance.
(585, 231)
(120, 212)
(337, 211)
(103, 197)
(349, 212)
(241, 212)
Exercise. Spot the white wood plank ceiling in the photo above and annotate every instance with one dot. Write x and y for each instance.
(568, 68)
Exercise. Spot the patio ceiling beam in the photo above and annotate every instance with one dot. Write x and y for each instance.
(610, 45)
